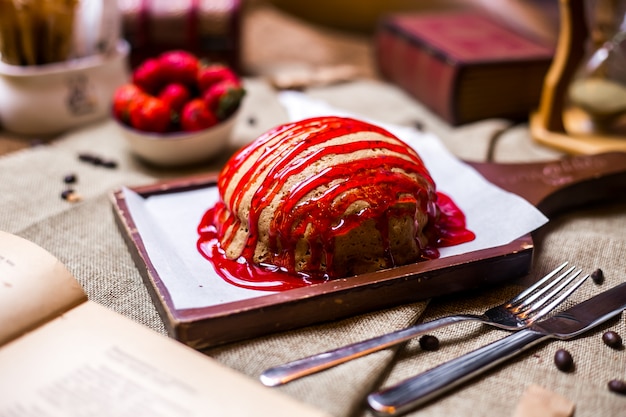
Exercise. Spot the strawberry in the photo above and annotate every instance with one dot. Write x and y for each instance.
(150, 114)
(149, 76)
(175, 95)
(214, 73)
(195, 115)
(179, 66)
(123, 99)
(224, 97)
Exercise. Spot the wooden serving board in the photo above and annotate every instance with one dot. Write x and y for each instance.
(551, 186)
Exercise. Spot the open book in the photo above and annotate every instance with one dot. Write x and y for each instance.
(63, 355)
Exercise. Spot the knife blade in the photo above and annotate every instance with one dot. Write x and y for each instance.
(417, 390)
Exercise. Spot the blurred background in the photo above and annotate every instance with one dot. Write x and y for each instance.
(292, 44)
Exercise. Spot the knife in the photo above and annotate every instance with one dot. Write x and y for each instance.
(570, 323)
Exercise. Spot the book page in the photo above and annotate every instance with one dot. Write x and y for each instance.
(93, 361)
(34, 287)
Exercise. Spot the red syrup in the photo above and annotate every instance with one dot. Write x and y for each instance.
(367, 179)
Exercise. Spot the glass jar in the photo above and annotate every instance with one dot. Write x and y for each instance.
(596, 99)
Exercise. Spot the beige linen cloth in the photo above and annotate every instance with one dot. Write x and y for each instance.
(84, 236)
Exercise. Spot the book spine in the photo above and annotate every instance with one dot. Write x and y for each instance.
(420, 71)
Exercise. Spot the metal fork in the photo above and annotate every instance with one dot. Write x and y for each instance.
(516, 314)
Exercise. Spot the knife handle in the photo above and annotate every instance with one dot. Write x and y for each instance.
(421, 388)
(299, 368)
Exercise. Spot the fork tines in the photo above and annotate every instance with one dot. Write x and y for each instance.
(543, 296)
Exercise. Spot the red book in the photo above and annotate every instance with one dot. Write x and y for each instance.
(463, 66)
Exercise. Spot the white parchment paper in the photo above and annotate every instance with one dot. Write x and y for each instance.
(168, 223)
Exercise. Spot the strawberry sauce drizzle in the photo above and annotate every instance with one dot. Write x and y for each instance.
(368, 179)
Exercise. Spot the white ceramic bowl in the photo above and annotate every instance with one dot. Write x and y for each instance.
(50, 99)
(180, 148)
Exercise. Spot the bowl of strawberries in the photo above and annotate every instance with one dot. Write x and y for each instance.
(178, 109)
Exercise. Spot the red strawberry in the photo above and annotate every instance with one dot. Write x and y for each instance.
(123, 99)
(175, 95)
(224, 97)
(149, 76)
(150, 114)
(179, 66)
(196, 116)
(214, 73)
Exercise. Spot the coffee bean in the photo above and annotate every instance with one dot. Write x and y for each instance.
(612, 339)
(69, 179)
(618, 386)
(96, 160)
(85, 157)
(563, 360)
(109, 164)
(71, 196)
(65, 195)
(428, 342)
(597, 276)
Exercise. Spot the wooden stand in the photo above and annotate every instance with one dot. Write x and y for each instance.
(547, 125)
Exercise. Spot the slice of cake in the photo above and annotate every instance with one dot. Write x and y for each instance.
(324, 198)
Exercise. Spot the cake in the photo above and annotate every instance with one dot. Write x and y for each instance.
(325, 198)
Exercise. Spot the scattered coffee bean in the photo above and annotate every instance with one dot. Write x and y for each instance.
(563, 360)
(85, 157)
(419, 125)
(251, 121)
(109, 164)
(618, 386)
(597, 276)
(612, 339)
(70, 195)
(69, 179)
(428, 342)
(97, 160)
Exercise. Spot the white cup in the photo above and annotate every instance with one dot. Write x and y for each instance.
(46, 100)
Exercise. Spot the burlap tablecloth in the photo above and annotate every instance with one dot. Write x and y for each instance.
(84, 236)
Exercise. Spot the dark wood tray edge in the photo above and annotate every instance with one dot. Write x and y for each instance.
(206, 327)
